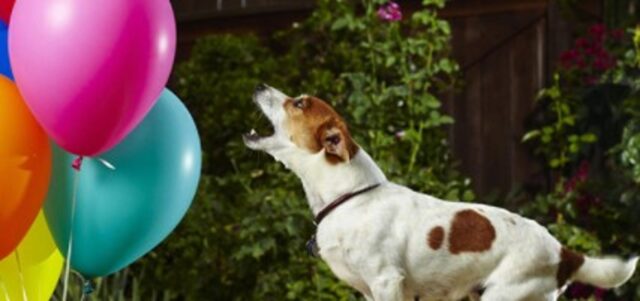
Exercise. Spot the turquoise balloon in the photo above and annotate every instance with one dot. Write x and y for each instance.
(123, 213)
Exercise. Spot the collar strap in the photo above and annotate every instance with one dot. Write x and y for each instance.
(341, 200)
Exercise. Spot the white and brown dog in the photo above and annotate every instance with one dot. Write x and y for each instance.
(395, 244)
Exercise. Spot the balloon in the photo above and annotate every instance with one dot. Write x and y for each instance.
(25, 167)
(122, 213)
(91, 70)
(5, 67)
(40, 263)
(5, 9)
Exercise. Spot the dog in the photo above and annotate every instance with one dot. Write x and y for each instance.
(394, 244)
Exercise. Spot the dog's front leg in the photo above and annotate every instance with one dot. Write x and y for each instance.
(388, 288)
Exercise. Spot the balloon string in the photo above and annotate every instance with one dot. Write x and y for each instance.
(22, 282)
(77, 164)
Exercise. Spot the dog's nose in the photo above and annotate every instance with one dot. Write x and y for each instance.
(261, 87)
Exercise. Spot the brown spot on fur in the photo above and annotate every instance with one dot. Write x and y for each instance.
(435, 238)
(570, 262)
(470, 232)
(315, 125)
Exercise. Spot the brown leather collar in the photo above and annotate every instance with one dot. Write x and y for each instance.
(341, 200)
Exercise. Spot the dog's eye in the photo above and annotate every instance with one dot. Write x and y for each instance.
(299, 103)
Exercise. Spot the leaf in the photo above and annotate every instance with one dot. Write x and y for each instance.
(530, 135)
(340, 23)
(446, 120)
(390, 61)
(589, 138)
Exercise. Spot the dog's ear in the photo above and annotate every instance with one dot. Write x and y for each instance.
(336, 142)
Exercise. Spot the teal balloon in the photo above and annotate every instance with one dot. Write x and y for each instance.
(123, 213)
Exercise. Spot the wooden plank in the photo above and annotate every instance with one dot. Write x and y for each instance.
(466, 111)
(484, 136)
(527, 60)
(197, 10)
(489, 32)
(473, 8)
(495, 99)
(188, 32)
(187, 10)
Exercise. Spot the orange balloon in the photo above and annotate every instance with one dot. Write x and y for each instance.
(25, 167)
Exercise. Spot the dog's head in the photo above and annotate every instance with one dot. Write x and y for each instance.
(304, 125)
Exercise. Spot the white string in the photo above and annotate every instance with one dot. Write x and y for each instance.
(70, 244)
(244, 3)
(106, 163)
(219, 5)
(22, 282)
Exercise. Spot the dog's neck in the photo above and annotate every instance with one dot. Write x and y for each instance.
(324, 182)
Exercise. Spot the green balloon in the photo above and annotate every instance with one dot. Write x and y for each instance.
(124, 212)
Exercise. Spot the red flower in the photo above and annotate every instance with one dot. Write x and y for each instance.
(617, 34)
(582, 291)
(581, 63)
(582, 43)
(580, 176)
(603, 64)
(569, 58)
(597, 31)
(585, 202)
(590, 80)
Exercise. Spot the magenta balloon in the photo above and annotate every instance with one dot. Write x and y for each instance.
(90, 70)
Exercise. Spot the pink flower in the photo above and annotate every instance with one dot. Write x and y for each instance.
(400, 134)
(390, 12)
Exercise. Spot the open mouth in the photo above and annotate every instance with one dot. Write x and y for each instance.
(253, 136)
(265, 127)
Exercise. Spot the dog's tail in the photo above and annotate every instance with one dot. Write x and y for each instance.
(604, 272)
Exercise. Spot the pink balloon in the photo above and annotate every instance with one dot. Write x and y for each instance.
(90, 70)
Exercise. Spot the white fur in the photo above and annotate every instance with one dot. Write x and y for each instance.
(377, 241)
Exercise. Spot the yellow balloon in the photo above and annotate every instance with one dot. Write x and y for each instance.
(35, 276)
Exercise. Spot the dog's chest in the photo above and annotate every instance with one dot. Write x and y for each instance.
(344, 259)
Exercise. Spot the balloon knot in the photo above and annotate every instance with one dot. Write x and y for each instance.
(77, 163)
(87, 287)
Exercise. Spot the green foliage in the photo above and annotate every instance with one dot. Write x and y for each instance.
(587, 132)
(244, 237)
